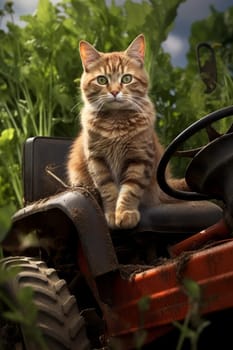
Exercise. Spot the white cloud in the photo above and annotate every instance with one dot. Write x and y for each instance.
(21, 7)
(174, 45)
(193, 10)
(24, 6)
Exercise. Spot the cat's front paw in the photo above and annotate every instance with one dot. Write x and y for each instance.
(110, 217)
(127, 219)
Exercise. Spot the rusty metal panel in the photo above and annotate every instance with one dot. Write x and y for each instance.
(211, 268)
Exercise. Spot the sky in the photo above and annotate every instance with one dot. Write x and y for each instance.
(188, 12)
(177, 41)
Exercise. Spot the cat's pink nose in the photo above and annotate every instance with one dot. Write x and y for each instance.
(114, 92)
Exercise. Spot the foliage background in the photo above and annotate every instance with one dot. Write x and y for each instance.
(40, 70)
(39, 78)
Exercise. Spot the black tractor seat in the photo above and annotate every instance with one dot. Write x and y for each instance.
(184, 217)
(160, 228)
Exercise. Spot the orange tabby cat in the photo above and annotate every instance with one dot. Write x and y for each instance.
(117, 150)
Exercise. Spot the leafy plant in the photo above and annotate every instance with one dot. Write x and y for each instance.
(40, 68)
(141, 334)
(21, 311)
(193, 324)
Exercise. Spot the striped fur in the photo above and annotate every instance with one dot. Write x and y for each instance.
(117, 150)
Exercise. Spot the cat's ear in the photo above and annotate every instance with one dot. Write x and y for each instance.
(88, 54)
(137, 48)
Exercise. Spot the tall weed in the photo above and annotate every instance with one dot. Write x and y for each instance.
(40, 65)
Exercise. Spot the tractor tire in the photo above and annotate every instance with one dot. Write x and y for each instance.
(58, 318)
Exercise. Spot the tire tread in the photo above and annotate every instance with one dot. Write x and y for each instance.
(58, 316)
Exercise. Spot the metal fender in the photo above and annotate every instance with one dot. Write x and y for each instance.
(82, 210)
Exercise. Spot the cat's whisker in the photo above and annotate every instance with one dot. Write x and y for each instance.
(98, 102)
(140, 101)
(100, 106)
(135, 102)
(96, 98)
(76, 107)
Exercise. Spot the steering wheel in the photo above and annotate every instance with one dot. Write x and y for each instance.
(175, 144)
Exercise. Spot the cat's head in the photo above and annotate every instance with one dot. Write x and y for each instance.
(115, 80)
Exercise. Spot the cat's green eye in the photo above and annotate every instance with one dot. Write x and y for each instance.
(102, 80)
(126, 79)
